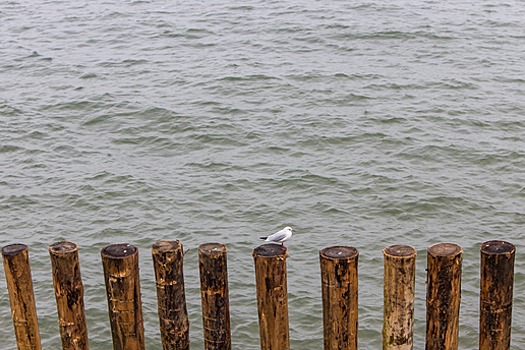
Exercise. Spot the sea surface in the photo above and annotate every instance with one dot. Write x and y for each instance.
(361, 123)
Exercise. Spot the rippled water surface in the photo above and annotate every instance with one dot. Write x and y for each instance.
(357, 123)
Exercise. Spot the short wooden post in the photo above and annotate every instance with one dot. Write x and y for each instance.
(443, 296)
(21, 296)
(168, 259)
(69, 294)
(497, 280)
(215, 299)
(121, 274)
(272, 296)
(339, 286)
(399, 287)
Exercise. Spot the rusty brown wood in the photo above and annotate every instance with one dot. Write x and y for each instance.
(168, 257)
(339, 284)
(215, 298)
(399, 291)
(21, 296)
(443, 296)
(69, 295)
(272, 296)
(121, 274)
(496, 293)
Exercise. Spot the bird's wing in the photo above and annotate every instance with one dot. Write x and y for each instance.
(277, 236)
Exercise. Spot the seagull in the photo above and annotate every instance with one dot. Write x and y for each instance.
(279, 236)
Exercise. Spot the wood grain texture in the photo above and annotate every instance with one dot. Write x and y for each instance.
(21, 296)
(496, 295)
(213, 269)
(121, 274)
(443, 296)
(69, 295)
(272, 296)
(399, 292)
(339, 284)
(168, 259)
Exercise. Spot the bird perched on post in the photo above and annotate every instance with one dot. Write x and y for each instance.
(279, 236)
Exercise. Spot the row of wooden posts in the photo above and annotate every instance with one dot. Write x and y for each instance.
(339, 277)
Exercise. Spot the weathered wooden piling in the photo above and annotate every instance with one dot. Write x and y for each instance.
(272, 296)
(339, 290)
(69, 294)
(168, 259)
(399, 287)
(443, 296)
(121, 274)
(21, 296)
(496, 289)
(215, 298)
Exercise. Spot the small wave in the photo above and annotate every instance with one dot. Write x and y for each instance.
(96, 119)
(89, 76)
(10, 148)
(252, 77)
(126, 63)
(223, 140)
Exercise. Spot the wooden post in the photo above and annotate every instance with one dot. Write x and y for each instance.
(121, 274)
(272, 296)
(173, 316)
(497, 279)
(443, 296)
(339, 291)
(399, 287)
(21, 296)
(215, 299)
(69, 294)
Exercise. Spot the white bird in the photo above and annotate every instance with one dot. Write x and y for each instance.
(279, 236)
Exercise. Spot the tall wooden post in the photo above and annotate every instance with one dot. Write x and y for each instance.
(272, 296)
(497, 282)
(168, 259)
(443, 296)
(339, 290)
(121, 274)
(21, 296)
(215, 299)
(399, 287)
(69, 294)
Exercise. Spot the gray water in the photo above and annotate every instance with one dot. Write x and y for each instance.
(357, 123)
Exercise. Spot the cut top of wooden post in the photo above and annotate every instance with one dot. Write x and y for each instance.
(270, 250)
(212, 249)
(118, 251)
(166, 246)
(64, 247)
(444, 249)
(14, 249)
(399, 251)
(497, 247)
(339, 252)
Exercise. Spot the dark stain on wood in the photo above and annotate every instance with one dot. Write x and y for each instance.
(168, 257)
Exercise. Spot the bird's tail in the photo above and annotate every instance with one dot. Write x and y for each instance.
(263, 237)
